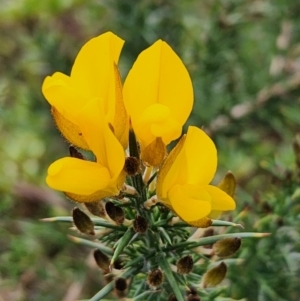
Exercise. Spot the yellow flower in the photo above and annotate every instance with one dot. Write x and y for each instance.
(85, 181)
(158, 96)
(94, 75)
(183, 180)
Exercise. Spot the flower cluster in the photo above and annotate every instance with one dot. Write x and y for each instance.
(95, 112)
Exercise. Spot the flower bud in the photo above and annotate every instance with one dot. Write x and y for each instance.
(83, 222)
(155, 278)
(132, 166)
(227, 246)
(102, 261)
(118, 264)
(214, 276)
(228, 184)
(185, 265)
(120, 287)
(115, 213)
(140, 224)
(75, 153)
(96, 208)
(154, 153)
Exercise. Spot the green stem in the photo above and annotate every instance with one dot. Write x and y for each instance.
(96, 221)
(91, 244)
(138, 179)
(215, 223)
(122, 243)
(211, 239)
(141, 258)
(165, 266)
(142, 296)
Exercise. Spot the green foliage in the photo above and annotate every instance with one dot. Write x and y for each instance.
(243, 60)
(272, 264)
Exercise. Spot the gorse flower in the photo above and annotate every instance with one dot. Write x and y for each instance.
(183, 180)
(122, 185)
(89, 111)
(158, 96)
(94, 76)
(86, 181)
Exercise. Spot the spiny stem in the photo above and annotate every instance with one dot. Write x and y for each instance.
(211, 239)
(91, 244)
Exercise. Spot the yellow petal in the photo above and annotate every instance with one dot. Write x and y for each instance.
(156, 121)
(201, 157)
(61, 94)
(94, 197)
(215, 214)
(121, 118)
(220, 200)
(204, 222)
(165, 178)
(93, 75)
(69, 130)
(194, 161)
(158, 77)
(77, 176)
(228, 185)
(191, 203)
(93, 72)
(100, 138)
(100, 194)
(169, 129)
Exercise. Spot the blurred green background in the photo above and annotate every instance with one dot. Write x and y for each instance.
(244, 60)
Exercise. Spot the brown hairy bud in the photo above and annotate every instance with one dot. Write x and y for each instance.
(185, 265)
(228, 184)
(227, 246)
(132, 166)
(83, 222)
(140, 224)
(115, 213)
(118, 264)
(96, 208)
(102, 260)
(155, 278)
(214, 276)
(120, 287)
